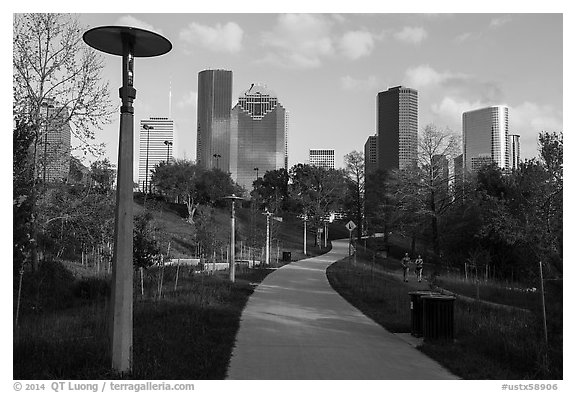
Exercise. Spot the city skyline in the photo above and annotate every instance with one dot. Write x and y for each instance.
(328, 69)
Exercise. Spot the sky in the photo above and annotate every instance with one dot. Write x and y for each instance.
(327, 69)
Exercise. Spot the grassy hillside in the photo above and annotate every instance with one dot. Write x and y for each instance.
(285, 236)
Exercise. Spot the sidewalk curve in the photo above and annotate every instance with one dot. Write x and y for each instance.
(295, 326)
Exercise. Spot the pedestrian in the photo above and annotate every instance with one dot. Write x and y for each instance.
(405, 261)
(419, 266)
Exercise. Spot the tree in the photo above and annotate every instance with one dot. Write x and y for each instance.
(52, 66)
(214, 184)
(22, 204)
(73, 218)
(102, 174)
(436, 147)
(271, 190)
(379, 206)
(354, 168)
(316, 192)
(178, 180)
(145, 247)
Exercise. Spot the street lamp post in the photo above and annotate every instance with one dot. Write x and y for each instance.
(305, 218)
(168, 144)
(268, 215)
(128, 42)
(233, 198)
(147, 128)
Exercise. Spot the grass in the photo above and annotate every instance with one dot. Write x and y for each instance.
(187, 334)
(491, 291)
(490, 342)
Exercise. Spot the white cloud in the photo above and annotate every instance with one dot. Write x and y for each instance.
(190, 100)
(129, 20)
(468, 36)
(369, 84)
(299, 40)
(499, 21)
(528, 120)
(529, 115)
(425, 76)
(219, 38)
(356, 44)
(450, 109)
(411, 35)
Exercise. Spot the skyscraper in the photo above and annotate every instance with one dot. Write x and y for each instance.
(458, 175)
(156, 146)
(485, 135)
(258, 135)
(514, 151)
(213, 133)
(440, 178)
(322, 158)
(397, 123)
(371, 154)
(54, 143)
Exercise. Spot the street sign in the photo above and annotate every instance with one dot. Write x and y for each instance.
(350, 226)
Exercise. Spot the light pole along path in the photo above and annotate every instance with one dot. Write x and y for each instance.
(295, 327)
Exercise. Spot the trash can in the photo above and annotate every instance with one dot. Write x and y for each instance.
(286, 256)
(416, 311)
(438, 317)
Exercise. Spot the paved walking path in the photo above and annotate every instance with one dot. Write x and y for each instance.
(295, 327)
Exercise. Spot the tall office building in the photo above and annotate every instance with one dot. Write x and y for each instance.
(485, 135)
(54, 144)
(258, 134)
(286, 125)
(397, 128)
(156, 146)
(371, 154)
(441, 178)
(323, 158)
(514, 151)
(213, 133)
(459, 171)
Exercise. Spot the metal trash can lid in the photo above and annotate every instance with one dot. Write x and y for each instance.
(423, 293)
(439, 297)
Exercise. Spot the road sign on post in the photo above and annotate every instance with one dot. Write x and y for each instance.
(350, 226)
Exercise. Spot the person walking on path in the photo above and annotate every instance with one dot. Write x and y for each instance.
(419, 266)
(405, 261)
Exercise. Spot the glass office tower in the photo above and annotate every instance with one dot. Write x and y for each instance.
(213, 133)
(258, 135)
(485, 136)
